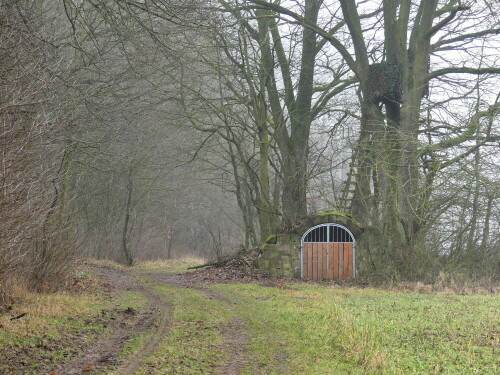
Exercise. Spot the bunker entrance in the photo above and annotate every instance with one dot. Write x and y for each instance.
(328, 253)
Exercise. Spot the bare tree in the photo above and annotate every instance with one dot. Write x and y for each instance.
(395, 65)
(35, 233)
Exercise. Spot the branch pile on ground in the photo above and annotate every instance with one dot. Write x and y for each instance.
(235, 268)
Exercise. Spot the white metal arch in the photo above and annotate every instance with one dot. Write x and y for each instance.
(328, 241)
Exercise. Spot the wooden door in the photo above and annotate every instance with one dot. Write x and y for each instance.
(327, 261)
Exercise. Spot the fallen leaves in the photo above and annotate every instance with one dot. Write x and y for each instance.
(88, 368)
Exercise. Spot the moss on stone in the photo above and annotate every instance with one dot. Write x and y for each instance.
(332, 216)
(271, 239)
(339, 213)
(268, 247)
(286, 238)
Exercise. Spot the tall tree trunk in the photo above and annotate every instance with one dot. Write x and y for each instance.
(486, 227)
(295, 151)
(389, 176)
(475, 210)
(125, 233)
(264, 207)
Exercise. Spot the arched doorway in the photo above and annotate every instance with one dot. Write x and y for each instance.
(328, 253)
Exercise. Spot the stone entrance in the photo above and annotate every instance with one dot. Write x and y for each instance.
(282, 253)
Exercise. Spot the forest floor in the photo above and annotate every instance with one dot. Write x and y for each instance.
(157, 319)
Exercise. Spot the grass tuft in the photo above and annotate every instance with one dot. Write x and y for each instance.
(448, 284)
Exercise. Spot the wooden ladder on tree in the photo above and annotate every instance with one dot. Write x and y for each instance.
(349, 186)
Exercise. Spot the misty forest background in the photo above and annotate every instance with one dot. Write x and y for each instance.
(136, 130)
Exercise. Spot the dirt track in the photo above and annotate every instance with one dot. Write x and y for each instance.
(102, 355)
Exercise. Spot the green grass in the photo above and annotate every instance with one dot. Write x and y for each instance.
(194, 344)
(432, 333)
(356, 331)
(310, 333)
(130, 299)
(318, 330)
(135, 343)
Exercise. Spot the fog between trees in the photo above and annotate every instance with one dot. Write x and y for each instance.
(136, 130)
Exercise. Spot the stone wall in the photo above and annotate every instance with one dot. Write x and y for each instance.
(281, 255)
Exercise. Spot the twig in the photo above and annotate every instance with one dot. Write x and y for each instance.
(19, 316)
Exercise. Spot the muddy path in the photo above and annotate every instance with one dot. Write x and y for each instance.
(103, 355)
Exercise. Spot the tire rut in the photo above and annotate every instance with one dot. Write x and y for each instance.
(141, 355)
(101, 355)
(235, 341)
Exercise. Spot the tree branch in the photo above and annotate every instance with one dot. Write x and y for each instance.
(468, 134)
(351, 17)
(323, 100)
(462, 70)
(337, 44)
(446, 20)
(463, 37)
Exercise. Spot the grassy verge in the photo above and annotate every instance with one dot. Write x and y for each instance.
(349, 331)
(308, 333)
(432, 334)
(52, 326)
